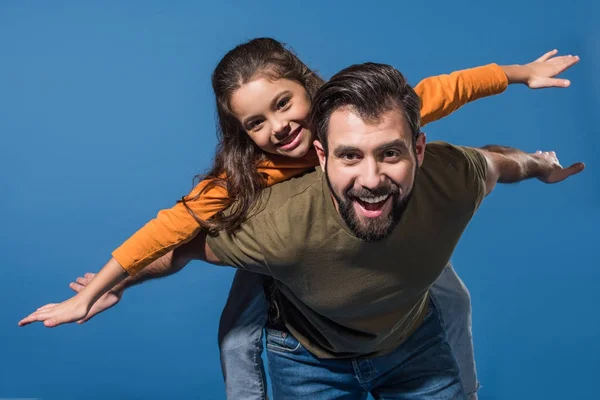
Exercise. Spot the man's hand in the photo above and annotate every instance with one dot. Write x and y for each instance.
(510, 165)
(550, 169)
(108, 300)
(542, 72)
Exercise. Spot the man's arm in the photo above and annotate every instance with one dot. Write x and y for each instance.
(161, 267)
(169, 264)
(173, 262)
(509, 165)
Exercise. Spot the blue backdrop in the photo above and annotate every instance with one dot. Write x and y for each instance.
(106, 113)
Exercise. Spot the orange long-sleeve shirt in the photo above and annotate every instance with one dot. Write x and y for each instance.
(440, 96)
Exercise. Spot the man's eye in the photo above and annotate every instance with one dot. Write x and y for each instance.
(282, 103)
(349, 157)
(391, 154)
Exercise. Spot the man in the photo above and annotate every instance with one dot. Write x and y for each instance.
(354, 247)
(354, 250)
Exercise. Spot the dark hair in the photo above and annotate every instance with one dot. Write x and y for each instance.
(235, 163)
(370, 89)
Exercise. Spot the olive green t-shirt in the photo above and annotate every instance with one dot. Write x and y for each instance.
(338, 295)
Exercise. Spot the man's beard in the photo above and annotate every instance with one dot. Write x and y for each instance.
(377, 228)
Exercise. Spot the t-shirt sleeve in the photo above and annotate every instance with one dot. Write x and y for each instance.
(459, 172)
(241, 249)
(475, 174)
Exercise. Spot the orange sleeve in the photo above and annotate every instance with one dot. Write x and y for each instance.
(443, 94)
(440, 96)
(170, 228)
(175, 226)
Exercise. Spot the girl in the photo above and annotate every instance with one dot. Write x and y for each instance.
(262, 149)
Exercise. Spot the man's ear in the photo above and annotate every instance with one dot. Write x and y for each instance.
(420, 148)
(320, 153)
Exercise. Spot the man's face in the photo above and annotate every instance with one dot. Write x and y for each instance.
(371, 168)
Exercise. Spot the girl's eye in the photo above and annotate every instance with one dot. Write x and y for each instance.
(254, 124)
(282, 103)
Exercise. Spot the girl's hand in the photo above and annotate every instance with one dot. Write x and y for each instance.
(77, 307)
(72, 310)
(542, 73)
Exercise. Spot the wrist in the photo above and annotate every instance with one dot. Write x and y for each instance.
(84, 299)
(516, 73)
(537, 169)
(120, 287)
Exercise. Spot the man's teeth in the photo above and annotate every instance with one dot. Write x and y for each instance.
(374, 199)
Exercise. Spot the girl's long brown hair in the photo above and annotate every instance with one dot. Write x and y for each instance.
(237, 156)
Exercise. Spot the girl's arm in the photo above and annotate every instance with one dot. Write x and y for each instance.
(84, 305)
(443, 94)
(78, 306)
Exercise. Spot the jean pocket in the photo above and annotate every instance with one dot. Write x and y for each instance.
(281, 341)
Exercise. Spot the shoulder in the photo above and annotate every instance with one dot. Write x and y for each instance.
(442, 155)
(288, 196)
(457, 171)
(450, 153)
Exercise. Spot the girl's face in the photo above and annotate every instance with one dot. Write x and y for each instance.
(275, 115)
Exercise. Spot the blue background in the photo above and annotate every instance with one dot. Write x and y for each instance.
(106, 113)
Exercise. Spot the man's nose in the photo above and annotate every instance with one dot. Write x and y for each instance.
(370, 175)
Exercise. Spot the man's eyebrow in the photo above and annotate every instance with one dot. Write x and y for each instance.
(398, 143)
(272, 105)
(395, 143)
(344, 149)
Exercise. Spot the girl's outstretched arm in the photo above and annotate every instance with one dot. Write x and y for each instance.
(78, 306)
(113, 280)
(441, 95)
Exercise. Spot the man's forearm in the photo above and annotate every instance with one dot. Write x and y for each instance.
(170, 263)
(513, 165)
(159, 268)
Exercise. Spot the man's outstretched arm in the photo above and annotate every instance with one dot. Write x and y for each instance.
(510, 165)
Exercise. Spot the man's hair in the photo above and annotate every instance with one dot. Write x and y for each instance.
(369, 90)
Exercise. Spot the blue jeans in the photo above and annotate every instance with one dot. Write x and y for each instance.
(241, 337)
(421, 368)
(245, 315)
